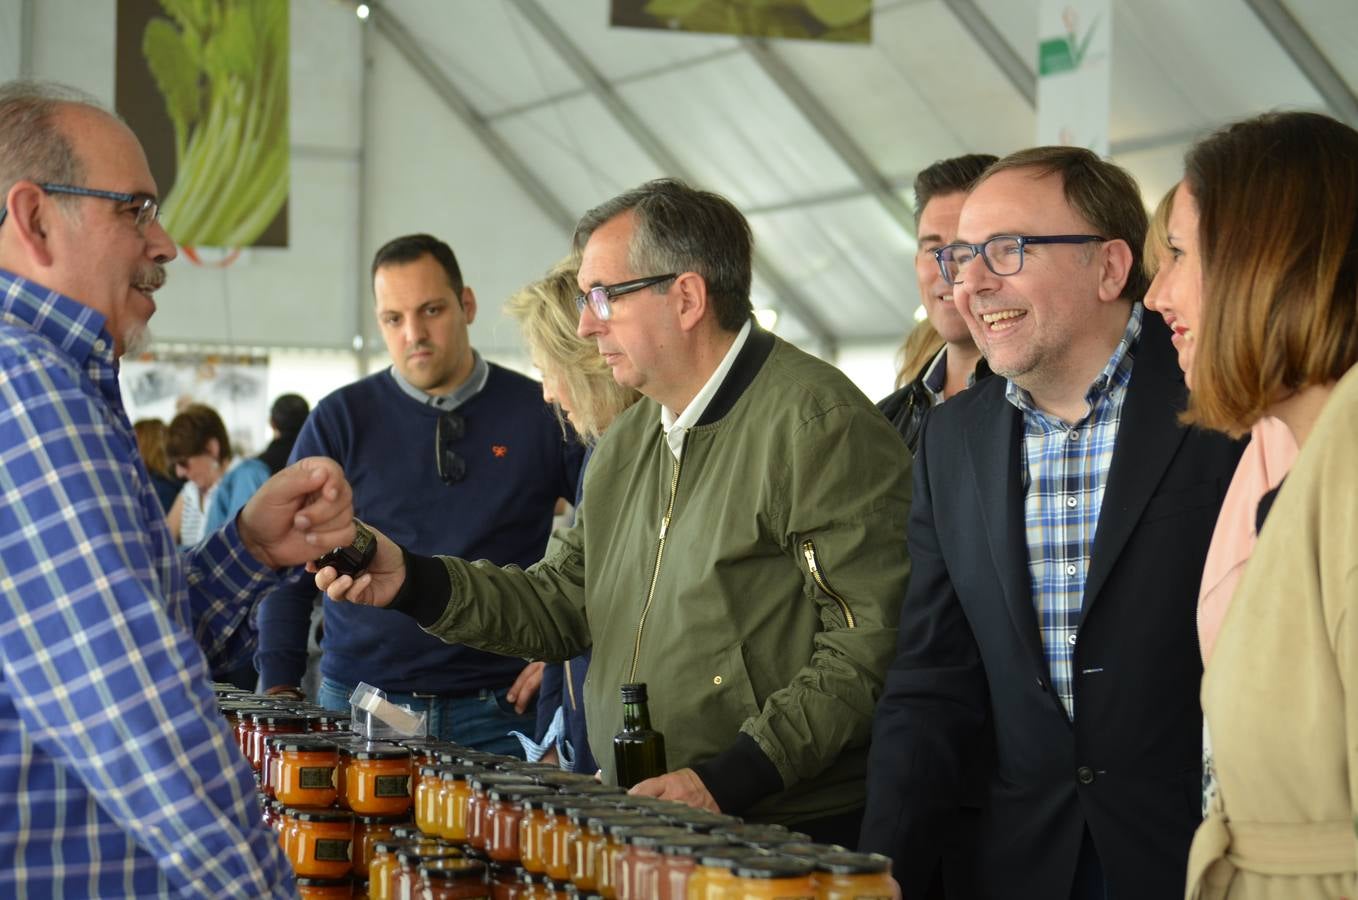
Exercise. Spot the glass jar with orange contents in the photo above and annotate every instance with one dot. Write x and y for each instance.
(505, 818)
(245, 726)
(602, 857)
(304, 774)
(478, 807)
(325, 888)
(454, 795)
(853, 876)
(531, 852)
(775, 878)
(381, 862)
(427, 783)
(267, 723)
(377, 780)
(322, 844)
(558, 836)
(404, 881)
(369, 831)
(581, 862)
(679, 857)
(453, 879)
(714, 877)
(560, 779)
(504, 882)
(638, 872)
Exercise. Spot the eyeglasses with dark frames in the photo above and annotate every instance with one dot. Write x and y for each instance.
(1002, 254)
(148, 210)
(451, 428)
(599, 296)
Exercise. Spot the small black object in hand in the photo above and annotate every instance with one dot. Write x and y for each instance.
(352, 559)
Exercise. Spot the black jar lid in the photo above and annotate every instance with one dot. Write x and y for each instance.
(380, 750)
(303, 881)
(561, 779)
(482, 780)
(851, 863)
(513, 793)
(382, 820)
(618, 829)
(410, 855)
(774, 867)
(580, 812)
(690, 844)
(729, 857)
(601, 820)
(390, 845)
(304, 743)
(274, 718)
(700, 821)
(453, 869)
(565, 804)
(593, 788)
(457, 771)
(650, 837)
(321, 815)
(428, 771)
(407, 833)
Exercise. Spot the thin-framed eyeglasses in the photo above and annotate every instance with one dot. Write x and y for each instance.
(148, 210)
(451, 428)
(599, 296)
(1003, 254)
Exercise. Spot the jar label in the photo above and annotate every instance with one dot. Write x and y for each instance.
(391, 786)
(332, 850)
(316, 777)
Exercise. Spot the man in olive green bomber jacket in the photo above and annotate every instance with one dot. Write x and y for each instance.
(741, 544)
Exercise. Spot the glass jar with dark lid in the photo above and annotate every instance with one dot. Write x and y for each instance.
(532, 850)
(775, 878)
(767, 836)
(603, 848)
(679, 857)
(715, 869)
(478, 805)
(636, 867)
(302, 769)
(427, 783)
(377, 779)
(381, 864)
(699, 821)
(321, 844)
(848, 876)
(453, 801)
(404, 880)
(593, 788)
(453, 879)
(369, 831)
(504, 818)
(559, 778)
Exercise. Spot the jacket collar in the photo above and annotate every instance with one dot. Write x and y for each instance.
(746, 366)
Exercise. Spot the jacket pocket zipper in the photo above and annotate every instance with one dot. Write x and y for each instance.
(655, 574)
(813, 564)
(570, 688)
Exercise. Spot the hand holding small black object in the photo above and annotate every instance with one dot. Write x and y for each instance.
(351, 560)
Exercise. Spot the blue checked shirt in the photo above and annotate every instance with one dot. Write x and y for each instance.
(117, 776)
(1065, 469)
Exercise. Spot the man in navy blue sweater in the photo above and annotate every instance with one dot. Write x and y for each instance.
(446, 453)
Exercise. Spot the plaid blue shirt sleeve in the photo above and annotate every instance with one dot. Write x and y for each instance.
(117, 774)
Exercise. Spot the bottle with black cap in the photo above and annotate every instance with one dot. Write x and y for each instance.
(638, 750)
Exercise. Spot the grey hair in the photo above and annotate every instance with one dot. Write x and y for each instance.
(31, 145)
(682, 229)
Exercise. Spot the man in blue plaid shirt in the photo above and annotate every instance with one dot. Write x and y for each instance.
(118, 778)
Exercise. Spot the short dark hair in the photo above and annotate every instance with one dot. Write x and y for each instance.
(949, 176)
(1277, 199)
(1103, 193)
(683, 229)
(411, 247)
(191, 429)
(288, 413)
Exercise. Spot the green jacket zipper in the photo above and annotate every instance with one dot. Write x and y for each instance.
(655, 575)
(809, 551)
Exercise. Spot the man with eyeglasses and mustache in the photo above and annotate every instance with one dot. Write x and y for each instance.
(448, 451)
(120, 777)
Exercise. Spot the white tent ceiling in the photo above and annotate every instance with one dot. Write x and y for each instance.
(495, 123)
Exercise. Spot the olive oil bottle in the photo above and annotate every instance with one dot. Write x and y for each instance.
(638, 750)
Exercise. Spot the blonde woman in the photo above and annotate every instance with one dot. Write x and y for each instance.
(580, 387)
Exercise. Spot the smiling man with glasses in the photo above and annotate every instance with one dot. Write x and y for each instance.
(121, 778)
(455, 454)
(1048, 658)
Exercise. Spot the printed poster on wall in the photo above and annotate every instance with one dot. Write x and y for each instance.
(844, 21)
(1074, 73)
(158, 385)
(204, 84)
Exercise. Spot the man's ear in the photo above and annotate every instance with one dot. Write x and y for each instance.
(27, 215)
(690, 292)
(1115, 269)
(469, 304)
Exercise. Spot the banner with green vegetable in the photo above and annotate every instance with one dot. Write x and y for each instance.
(204, 84)
(848, 21)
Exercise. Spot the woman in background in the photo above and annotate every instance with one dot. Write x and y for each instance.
(198, 446)
(580, 386)
(151, 435)
(1265, 228)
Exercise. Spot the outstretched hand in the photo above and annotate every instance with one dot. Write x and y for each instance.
(377, 585)
(298, 514)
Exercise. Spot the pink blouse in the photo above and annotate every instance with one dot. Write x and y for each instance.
(1267, 458)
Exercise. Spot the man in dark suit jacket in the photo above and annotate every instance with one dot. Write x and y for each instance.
(1047, 663)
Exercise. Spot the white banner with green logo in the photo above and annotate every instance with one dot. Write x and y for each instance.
(1074, 73)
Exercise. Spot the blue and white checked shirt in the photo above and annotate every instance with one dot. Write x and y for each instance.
(1065, 469)
(117, 776)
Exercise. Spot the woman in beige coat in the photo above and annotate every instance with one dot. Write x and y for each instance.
(1265, 227)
